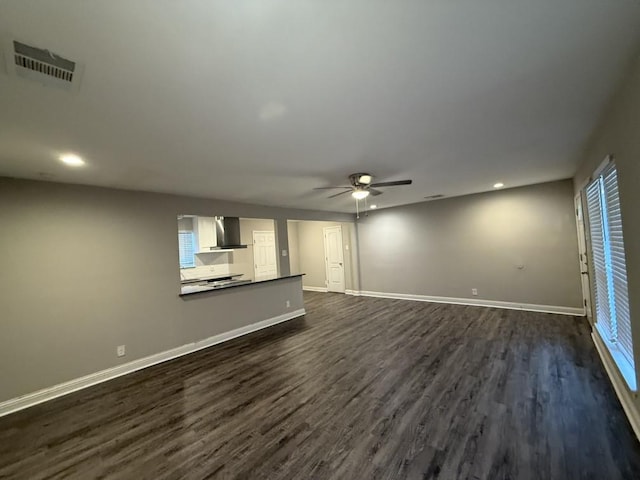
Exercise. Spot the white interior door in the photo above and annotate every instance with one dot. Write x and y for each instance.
(333, 258)
(264, 254)
(584, 257)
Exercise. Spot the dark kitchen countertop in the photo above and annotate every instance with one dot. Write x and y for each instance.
(191, 289)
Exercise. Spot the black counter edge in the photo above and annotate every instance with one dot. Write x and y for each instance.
(254, 282)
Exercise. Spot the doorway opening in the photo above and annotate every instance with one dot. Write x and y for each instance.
(323, 251)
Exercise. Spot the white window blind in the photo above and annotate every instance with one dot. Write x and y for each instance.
(609, 272)
(186, 248)
(599, 273)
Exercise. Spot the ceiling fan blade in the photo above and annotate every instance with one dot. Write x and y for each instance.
(392, 184)
(341, 193)
(330, 188)
(374, 192)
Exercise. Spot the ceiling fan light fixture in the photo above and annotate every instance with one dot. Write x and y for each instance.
(365, 179)
(360, 194)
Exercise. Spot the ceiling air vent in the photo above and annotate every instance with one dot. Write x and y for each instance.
(42, 66)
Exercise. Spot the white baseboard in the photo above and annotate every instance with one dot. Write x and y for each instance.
(623, 393)
(355, 293)
(315, 289)
(476, 302)
(41, 396)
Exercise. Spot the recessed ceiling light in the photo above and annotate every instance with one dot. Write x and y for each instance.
(373, 207)
(498, 185)
(71, 160)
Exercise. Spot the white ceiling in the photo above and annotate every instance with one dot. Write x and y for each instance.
(261, 101)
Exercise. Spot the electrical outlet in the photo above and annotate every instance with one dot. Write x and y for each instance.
(474, 292)
(284, 253)
(288, 303)
(121, 350)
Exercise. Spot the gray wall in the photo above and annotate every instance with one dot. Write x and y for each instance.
(619, 135)
(294, 250)
(311, 253)
(447, 247)
(85, 269)
(282, 242)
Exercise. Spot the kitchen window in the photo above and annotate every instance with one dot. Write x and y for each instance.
(609, 271)
(187, 249)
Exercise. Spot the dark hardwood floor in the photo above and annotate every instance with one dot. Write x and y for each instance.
(360, 388)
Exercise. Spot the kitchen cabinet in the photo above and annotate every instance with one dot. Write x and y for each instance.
(205, 230)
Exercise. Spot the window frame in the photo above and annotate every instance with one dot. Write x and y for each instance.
(608, 322)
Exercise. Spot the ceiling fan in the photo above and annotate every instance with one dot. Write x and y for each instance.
(361, 186)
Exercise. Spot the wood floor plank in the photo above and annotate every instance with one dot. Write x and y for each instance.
(360, 388)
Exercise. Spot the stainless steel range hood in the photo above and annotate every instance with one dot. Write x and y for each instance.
(227, 233)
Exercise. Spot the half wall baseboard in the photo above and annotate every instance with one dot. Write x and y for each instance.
(573, 311)
(624, 395)
(315, 289)
(44, 395)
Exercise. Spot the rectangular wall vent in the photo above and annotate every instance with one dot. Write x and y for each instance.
(42, 65)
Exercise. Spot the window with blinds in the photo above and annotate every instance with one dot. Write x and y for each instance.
(186, 248)
(609, 271)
